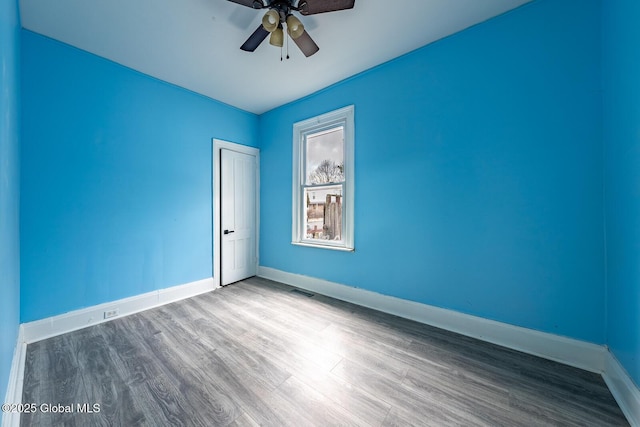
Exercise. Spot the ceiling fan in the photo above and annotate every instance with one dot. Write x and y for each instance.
(280, 14)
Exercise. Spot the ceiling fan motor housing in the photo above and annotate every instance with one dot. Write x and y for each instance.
(279, 14)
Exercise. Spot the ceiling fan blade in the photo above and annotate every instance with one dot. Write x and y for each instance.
(255, 39)
(306, 44)
(311, 7)
(255, 4)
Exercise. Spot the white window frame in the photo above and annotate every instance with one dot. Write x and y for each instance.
(344, 117)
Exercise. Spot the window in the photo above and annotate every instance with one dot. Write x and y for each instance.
(323, 181)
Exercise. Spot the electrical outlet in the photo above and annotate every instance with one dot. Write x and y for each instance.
(110, 313)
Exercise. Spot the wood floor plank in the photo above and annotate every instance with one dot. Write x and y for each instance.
(567, 409)
(293, 336)
(181, 365)
(315, 406)
(103, 384)
(228, 373)
(400, 396)
(53, 377)
(489, 405)
(350, 397)
(289, 306)
(242, 357)
(257, 353)
(158, 397)
(363, 405)
(244, 420)
(371, 352)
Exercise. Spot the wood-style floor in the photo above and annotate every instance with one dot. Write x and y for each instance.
(260, 353)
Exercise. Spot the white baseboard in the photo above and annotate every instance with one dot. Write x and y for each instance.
(16, 376)
(78, 319)
(580, 354)
(625, 391)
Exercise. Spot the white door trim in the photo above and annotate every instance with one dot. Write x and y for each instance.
(217, 145)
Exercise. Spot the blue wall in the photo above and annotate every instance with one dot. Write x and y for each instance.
(621, 76)
(478, 174)
(116, 179)
(9, 186)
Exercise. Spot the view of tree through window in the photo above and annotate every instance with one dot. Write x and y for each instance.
(324, 171)
(327, 172)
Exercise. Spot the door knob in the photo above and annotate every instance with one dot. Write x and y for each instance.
(228, 231)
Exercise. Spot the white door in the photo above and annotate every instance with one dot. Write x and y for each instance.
(238, 216)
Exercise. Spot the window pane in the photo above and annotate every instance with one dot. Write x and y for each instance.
(325, 156)
(323, 219)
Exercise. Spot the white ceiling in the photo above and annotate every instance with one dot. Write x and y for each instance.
(195, 43)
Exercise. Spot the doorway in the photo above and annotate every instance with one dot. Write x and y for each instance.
(236, 178)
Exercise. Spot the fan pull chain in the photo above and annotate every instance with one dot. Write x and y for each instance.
(287, 45)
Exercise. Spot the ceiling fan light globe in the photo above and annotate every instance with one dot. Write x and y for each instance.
(270, 20)
(277, 38)
(294, 27)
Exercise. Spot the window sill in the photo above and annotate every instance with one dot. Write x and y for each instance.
(319, 246)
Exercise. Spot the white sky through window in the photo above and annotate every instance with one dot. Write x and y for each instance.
(325, 145)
